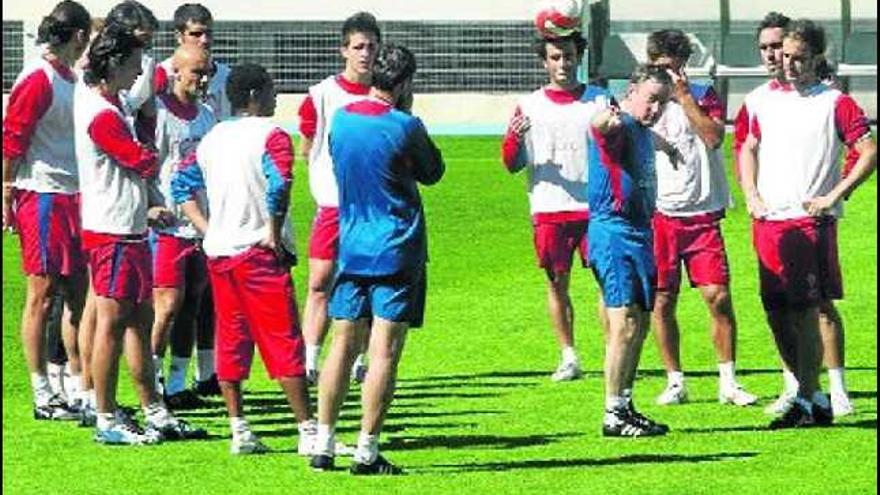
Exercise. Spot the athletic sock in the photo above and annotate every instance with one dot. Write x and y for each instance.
(238, 425)
(41, 388)
(325, 440)
(158, 371)
(727, 375)
(55, 376)
(358, 361)
(312, 354)
(367, 448)
(105, 420)
(205, 364)
(176, 381)
(615, 402)
(569, 355)
(790, 381)
(836, 385)
(675, 378)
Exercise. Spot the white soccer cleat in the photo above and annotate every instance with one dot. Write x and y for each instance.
(567, 372)
(342, 450)
(736, 395)
(841, 405)
(782, 404)
(246, 443)
(675, 393)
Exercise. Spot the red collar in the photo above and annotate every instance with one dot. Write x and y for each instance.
(565, 97)
(352, 87)
(777, 85)
(64, 71)
(180, 109)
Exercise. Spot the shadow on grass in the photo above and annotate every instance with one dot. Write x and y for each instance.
(862, 394)
(577, 463)
(867, 424)
(473, 441)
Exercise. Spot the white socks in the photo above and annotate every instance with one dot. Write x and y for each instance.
(41, 388)
(836, 385)
(176, 381)
(569, 355)
(675, 378)
(158, 372)
(790, 382)
(615, 402)
(205, 368)
(312, 354)
(367, 448)
(726, 375)
(325, 440)
(239, 426)
(55, 375)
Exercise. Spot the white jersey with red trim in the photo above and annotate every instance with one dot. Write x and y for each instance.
(49, 163)
(114, 199)
(800, 137)
(237, 167)
(693, 180)
(179, 129)
(327, 96)
(555, 148)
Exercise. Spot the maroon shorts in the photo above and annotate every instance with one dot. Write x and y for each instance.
(49, 230)
(695, 241)
(254, 302)
(176, 260)
(797, 262)
(120, 267)
(324, 240)
(557, 236)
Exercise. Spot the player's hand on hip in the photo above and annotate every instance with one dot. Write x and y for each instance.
(818, 206)
(755, 205)
(161, 217)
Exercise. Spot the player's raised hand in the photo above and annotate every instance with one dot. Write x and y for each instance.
(608, 120)
(679, 82)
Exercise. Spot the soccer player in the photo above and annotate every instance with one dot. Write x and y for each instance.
(790, 175)
(547, 136)
(193, 24)
(360, 39)
(692, 195)
(179, 269)
(40, 193)
(380, 153)
(245, 167)
(114, 173)
(769, 37)
(621, 192)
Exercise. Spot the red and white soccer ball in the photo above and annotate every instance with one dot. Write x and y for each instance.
(558, 18)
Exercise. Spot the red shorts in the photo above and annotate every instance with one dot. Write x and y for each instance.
(49, 230)
(120, 267)
(176, 260)
(254, 302)
(324, 241)
(557, 236)
(797, 262)
(697, 242)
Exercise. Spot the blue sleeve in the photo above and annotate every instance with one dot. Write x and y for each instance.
(186, 180)
(427, 163)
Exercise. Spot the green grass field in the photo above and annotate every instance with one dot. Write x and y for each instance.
(475, 411)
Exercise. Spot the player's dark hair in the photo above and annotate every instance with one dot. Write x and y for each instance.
(59, 26)
(644, 72)
(773, 19)
(109, 50)
(394, 65)
(669, 43)
(246, 81)
(133, 15)
(539, 45)
(813, 36)
(360, 22)
(191, 12)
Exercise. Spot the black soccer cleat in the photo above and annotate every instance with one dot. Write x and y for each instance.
(322, 463)
(209, 387)
(822, 416)
(626, 423)
(795, 417)
(645, 421)
(379, 467)
(56, 409)
(183, 400)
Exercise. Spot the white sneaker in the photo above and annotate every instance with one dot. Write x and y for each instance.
(567, 371)
(781, 404)
(675, 393)
(246, 443)
(342, 450)
(305, 444)
(841, 405)
(736, 395)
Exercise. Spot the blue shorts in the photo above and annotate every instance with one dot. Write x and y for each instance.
(398, 298)
(622, 258)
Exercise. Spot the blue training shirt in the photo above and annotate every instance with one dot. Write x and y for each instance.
(379, 154)
(621, 182)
